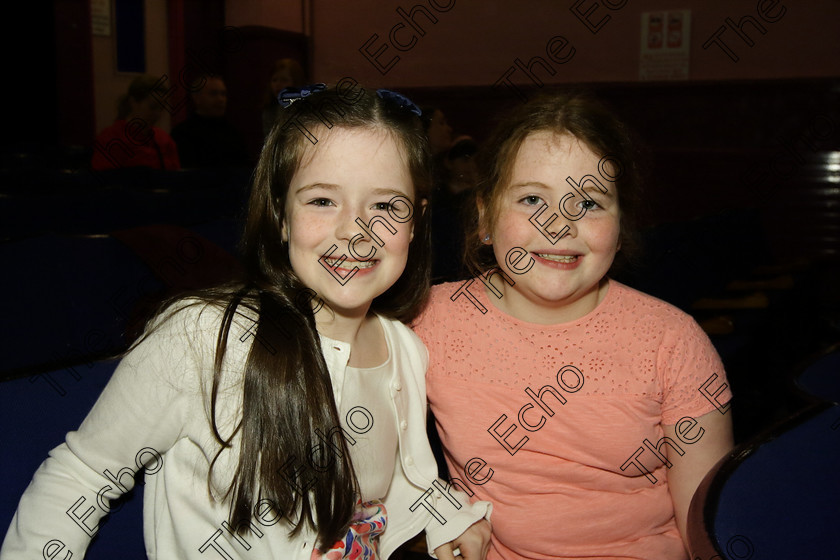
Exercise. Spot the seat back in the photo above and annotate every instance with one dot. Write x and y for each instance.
(776, 497)
(37, 416)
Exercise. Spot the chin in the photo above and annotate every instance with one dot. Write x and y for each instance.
(562, 293)
(351, 300)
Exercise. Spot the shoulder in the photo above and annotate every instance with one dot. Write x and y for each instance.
(403, 336)
(646, 308)
(442, 315)
(406, 344)
(678, 339)
(196, 323)
(437, 303)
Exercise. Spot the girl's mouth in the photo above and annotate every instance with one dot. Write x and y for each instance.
(348, 264)
(567, 259)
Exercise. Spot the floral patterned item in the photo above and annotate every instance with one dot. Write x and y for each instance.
(362, 540)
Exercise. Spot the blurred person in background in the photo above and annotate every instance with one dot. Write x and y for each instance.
(206, 138)
(458, 178)
(437, 129)
(134, 140)
(287, 72)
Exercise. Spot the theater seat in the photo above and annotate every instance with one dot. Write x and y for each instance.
(775, 497)
(821, 378)
(70, 299)
(38, 415)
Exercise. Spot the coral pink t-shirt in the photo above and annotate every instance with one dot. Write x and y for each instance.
(570, 476)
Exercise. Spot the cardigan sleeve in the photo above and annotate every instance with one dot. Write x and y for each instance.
(140, 414)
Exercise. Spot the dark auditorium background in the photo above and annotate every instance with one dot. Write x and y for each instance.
(742, 226)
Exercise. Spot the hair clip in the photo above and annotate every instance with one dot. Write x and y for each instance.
(290, 94)
(402, 101)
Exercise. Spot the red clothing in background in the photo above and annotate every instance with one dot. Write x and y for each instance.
(134, 144)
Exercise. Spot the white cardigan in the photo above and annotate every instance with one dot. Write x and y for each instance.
(154, 412)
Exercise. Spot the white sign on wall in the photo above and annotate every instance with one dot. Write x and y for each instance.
(666, 45)
(100, 17)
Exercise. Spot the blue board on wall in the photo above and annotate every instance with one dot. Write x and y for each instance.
(131, 38)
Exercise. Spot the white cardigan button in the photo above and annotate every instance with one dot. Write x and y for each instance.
(404, 425)
(409, 461)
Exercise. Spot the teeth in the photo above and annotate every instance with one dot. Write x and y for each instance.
(349, 264)
(558, 258)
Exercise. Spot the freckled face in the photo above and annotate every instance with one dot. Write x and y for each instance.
(564, 282)
(349, 174)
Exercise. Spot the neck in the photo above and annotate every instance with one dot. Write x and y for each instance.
(341, 325)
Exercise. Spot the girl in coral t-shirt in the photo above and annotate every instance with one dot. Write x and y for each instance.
(585, 411)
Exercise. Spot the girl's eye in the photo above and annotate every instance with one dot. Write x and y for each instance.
(531, 200)
(589, 204)
(384, 206)
(320, 202)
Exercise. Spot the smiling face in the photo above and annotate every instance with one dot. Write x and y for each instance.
(565, 281)
(349, 174)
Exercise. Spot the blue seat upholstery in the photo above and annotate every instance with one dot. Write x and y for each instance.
(777, 497)
(822, 377)
(39, 415)
(73, 297)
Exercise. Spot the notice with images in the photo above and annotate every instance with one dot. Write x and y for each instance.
(666, 40)
(100, 17)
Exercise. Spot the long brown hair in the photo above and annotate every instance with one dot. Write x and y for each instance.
(287, 393)
(573, 113)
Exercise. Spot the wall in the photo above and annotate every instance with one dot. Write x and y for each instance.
(287, 15)
(474, 43)
(108, 84)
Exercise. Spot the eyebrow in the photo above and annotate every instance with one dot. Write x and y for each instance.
(383, 191)
(608, 194)
(528, 185)
(543, 186)
(387, 191)
(311, 186)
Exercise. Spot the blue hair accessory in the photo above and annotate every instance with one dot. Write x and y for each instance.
(402, 101)
(289, 95)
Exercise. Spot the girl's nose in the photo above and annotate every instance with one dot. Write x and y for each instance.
(565, 227)
(346, 226)
(551, 222)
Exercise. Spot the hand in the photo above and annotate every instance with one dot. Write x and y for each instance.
(473, 543)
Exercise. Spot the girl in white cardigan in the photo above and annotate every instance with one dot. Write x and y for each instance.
(282, 416)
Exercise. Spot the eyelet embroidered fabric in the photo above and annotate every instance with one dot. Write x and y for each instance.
(554, 412)
(631, 344)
